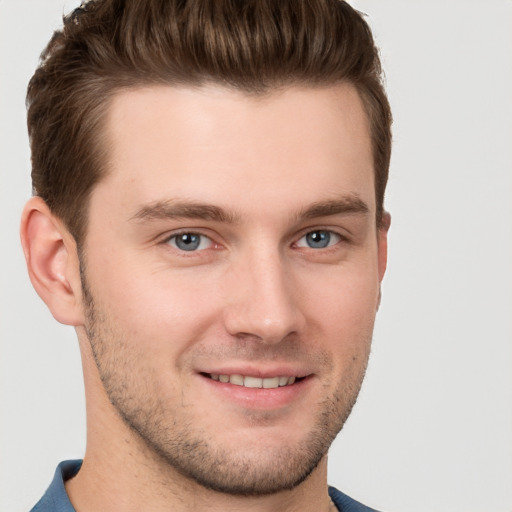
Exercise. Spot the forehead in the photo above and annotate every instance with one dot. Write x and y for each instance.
(217, 145)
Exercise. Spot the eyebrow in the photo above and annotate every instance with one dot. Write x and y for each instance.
(174, 209)
(348, 205)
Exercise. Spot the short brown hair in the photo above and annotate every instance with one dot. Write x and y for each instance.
(250, 45)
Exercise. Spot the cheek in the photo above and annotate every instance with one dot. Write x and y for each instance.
(163, 310)
(348, 297)
(342, 317)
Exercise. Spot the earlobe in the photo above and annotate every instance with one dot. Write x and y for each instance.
(52, 261)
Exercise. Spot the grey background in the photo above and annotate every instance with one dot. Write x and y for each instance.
(433, 427)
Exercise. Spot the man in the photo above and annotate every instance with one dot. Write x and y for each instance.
(208, 213)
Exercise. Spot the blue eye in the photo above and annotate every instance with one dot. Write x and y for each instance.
(190, 242)
(319, 239)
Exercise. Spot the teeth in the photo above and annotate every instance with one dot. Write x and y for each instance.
(238, 380)
(283, 381)
(254, 382)
(271, 383)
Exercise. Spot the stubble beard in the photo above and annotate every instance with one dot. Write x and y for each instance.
(172, 439)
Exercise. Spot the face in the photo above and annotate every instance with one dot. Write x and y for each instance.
(231, 276)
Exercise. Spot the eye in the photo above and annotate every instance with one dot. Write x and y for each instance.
(319, 239)
(189, 242)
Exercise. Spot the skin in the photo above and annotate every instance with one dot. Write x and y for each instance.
(253, 176)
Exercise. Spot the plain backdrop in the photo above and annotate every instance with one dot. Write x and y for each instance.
(432, 430)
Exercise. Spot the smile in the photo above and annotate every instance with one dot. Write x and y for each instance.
(253, 382)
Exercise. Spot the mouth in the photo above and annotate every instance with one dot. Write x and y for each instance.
(249, 381)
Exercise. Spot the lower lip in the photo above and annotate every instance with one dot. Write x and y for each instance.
(259, 398)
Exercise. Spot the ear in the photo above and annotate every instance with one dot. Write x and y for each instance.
(383, 244)
(52, 262)
(382, 248)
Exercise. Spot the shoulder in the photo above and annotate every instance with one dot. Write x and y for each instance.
(55, 498)
(346, 503)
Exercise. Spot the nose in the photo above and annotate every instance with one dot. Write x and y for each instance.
(262, 301)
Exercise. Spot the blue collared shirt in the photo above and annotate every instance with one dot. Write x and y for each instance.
(56, 499)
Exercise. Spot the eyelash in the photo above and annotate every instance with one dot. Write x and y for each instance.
(330, 234)
(175, 237)
(338, 237)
